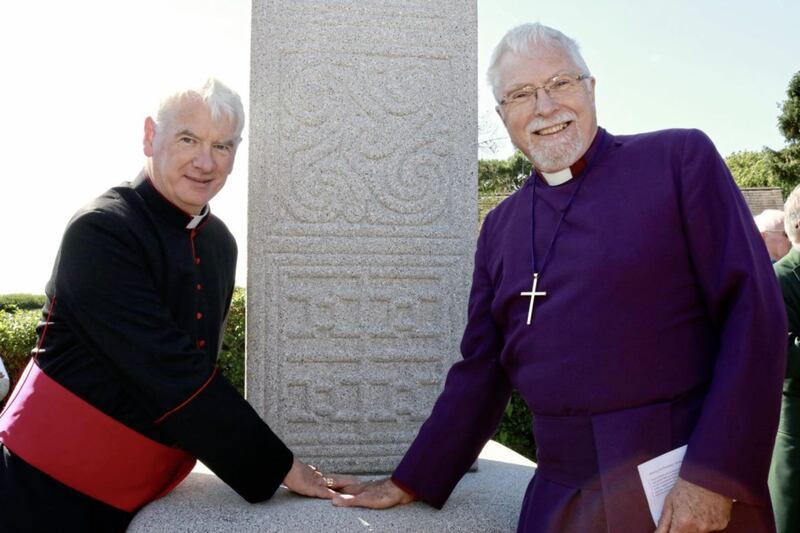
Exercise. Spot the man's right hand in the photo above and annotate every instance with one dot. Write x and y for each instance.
(378, 494)
(306, 480)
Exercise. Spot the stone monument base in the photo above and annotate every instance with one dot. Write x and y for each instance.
(488, 500)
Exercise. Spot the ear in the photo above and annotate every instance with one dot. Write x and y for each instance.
(499, 111)
(149, 136)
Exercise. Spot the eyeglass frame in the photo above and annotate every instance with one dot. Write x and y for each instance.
(579, 77)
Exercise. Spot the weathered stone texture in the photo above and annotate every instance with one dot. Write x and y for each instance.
(362, 219)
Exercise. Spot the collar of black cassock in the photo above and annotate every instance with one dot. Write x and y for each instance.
(164, 208)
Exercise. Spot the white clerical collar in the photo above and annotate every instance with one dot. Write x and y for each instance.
(197, 219)
(564, 175)
(557, 178)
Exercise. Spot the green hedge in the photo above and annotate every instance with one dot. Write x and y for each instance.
(231, 356)
(18, 337)
(12, 302)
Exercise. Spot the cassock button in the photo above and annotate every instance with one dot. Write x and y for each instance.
(199, 286)
(199, 315)
(196, 260)
(201, 343)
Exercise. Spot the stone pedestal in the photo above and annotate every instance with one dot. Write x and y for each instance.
(362, 219)
(486, 501)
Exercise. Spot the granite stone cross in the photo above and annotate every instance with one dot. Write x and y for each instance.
(362, 219)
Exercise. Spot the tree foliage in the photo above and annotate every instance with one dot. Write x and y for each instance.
(789, 119)
(785, 163)
(751, 169)
(498, 176)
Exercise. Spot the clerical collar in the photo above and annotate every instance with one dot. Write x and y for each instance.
(164, 208)
(564, 175)
(197, 219)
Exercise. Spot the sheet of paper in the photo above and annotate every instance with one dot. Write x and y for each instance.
(658, 477)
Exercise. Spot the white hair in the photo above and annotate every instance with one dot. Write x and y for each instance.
(526, 40)
(220, 99)
(769, 220)
(791, 213)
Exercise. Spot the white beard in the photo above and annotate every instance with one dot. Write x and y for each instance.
(553, 155)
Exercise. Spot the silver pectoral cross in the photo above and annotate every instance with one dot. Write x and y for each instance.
(533, 294)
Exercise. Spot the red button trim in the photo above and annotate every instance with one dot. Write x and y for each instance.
(199, 286)
(199, 315)
(196, 260)
(201, 343)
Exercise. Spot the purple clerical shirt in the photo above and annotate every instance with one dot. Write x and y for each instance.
(662, 326)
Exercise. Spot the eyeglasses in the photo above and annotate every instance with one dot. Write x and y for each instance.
(556, 87)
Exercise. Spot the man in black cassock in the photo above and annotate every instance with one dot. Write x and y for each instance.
(122, 393)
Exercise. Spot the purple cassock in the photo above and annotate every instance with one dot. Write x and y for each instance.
(662, 325)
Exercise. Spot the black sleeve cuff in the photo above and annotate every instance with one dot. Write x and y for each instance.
(224, 432)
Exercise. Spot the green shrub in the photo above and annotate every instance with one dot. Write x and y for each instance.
(231, 356)
(12, 302)
(514, 430)
(17, 339)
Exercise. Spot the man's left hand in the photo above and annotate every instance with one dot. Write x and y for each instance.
(690, 508)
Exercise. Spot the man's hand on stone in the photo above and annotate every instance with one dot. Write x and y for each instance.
(306, 480)
(378, 494)
(690, 508)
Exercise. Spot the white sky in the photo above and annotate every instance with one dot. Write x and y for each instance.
(79, 76)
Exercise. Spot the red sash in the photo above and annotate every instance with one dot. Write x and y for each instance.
(55, 431)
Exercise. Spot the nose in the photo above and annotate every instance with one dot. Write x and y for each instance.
(544, 104)
(204, 160)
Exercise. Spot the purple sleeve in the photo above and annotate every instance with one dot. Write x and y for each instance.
(469, 408)
(730, 448)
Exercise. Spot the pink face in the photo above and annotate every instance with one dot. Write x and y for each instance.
(552, 132)
(777, 242)
(191, 155)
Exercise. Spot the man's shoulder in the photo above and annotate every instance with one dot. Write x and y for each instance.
(111, 212)
(668, 138)
(115, 202)
(787, 266)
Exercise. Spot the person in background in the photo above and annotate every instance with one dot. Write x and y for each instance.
(624, 351)
(770, 224)
(4, 380)
(784, 473)
(122, 394)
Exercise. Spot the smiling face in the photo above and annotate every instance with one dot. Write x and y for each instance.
(190, 155)
(552, 132)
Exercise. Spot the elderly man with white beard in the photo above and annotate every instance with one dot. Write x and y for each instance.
(625, 292)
